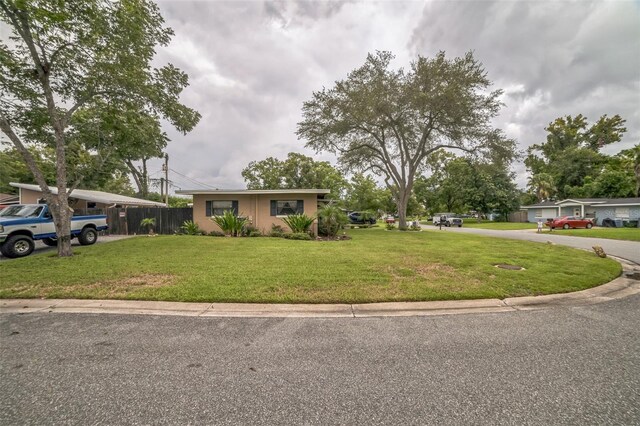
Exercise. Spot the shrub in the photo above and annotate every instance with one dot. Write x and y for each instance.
(251, 231)
(230, 223)
(148, 223)
(330, 220)
(390, 227)
(276, 231)
(299, 223)
(189, 227)
(216, 234)
(298, 236)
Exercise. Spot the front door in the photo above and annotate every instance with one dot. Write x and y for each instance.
(577, 212)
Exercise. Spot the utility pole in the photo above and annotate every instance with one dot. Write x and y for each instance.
(161, 188)
(166, 178)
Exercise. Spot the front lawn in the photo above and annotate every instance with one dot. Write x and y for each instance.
(630, 234)
(375, 265)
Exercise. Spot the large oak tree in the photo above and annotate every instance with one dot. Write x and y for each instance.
(390, 121)
(68, 61)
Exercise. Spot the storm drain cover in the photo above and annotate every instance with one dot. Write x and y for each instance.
(510, 267)
(634, 275)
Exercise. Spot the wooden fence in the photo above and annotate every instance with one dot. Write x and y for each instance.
(127, 221)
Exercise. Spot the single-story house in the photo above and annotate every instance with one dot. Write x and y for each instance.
(262, 207)
(8, 199)
(83, 198)
(625, 209)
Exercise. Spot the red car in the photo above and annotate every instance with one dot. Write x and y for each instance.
(566, 222)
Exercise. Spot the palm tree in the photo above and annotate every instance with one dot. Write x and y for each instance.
(148, 223)
(543, 186)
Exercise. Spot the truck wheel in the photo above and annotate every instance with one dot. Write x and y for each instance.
(51, 242)
(17, 246)
(88, 236)
(565, 226)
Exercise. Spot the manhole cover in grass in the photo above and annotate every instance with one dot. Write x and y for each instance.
(510, 267)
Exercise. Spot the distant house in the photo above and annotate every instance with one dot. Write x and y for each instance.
(83, 198)
(599, 208)
(263, 208)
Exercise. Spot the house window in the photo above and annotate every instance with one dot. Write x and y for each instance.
(218, 207)
(622, 212)
(286, 207)
(538, 212)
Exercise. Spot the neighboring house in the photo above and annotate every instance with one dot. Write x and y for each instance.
(262, 207)
(83, 198)
(8, 199)
(625, 209)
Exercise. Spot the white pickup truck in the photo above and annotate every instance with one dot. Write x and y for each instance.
(21, 224)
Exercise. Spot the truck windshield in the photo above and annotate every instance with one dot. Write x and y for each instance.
(21, 211)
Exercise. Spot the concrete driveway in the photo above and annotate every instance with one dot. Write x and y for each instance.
(629, 250)
(41, 248)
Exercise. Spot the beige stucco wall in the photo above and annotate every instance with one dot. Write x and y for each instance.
(256, 207)
(28, 196)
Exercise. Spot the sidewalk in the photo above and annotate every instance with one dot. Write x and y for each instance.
(625, 285)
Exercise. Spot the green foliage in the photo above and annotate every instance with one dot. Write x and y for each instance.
(80, 80)
(216, 234)
(277, 231)
(251, 231)
(298, 236)
(390, 226)
(364, 194)
(331, 219)
(189, 227)
(174, 201)
(570, 164)
(296, 172)
(148, 223)
(299, 223)
(462, 184)
(230, 223)
(391, 121)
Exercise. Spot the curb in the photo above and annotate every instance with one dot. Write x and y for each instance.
(620, 287)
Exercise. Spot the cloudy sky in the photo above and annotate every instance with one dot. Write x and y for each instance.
(252, 64)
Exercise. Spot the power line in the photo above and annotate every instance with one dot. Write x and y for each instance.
(193, 180)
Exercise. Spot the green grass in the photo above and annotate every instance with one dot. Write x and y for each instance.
(629, 234)
(375, 265)
(506, 226)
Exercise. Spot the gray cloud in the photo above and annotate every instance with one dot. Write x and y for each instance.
(252, 65)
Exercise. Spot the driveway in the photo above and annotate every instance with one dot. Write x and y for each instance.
(629, 250)
(41, 248)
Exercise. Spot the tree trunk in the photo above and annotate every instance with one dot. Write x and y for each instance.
(140, 177)
(402, 201)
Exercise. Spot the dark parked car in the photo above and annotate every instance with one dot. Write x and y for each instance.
(357, 218)
(566, 222)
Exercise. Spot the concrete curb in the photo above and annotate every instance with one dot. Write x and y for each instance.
(622, 286)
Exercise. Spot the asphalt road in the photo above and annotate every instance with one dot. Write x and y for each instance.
(577, 365)
(629, 250)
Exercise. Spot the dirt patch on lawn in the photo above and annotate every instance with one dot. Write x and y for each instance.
(117, 288)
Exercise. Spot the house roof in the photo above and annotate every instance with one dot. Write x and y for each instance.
(8, 198)
(612, 202)
(251, 191)
(95, 196)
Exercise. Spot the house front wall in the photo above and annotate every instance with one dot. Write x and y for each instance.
(255, 207)
(625, 213)
(599, 213)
